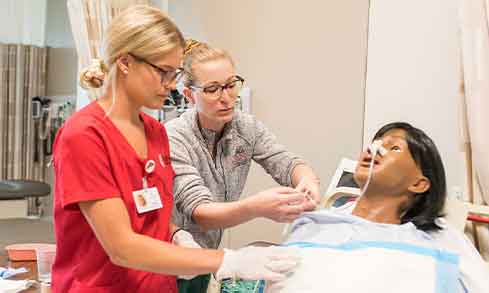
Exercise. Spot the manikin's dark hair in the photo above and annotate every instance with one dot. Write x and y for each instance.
(429, 205)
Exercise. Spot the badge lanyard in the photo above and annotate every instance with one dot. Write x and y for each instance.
(148, 198)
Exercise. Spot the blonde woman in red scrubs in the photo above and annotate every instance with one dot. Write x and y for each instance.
(114, 179)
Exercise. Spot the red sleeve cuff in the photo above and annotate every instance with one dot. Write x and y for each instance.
(70, 202)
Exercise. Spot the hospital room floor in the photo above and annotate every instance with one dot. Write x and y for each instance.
(25, 231)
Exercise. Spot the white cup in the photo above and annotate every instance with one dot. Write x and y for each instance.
(45, 259)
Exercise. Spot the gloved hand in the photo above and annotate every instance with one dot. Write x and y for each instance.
(185, 239)
(258, 263)
(274, 287)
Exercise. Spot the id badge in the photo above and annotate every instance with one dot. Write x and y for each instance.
(147, 199)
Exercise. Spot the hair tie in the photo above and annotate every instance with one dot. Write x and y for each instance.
(189, 45)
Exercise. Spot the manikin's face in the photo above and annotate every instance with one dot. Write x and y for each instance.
(394, 172)
(216, 109)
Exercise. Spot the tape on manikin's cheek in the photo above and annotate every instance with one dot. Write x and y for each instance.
(377, 147)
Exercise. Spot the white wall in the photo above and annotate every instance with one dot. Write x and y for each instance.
(188, 17)
(58, 30)
(413, 74)
(62, 59)
(162, 4)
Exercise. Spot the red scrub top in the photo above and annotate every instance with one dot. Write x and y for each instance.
(93, 161)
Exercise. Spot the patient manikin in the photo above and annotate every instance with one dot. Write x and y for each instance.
(393, 238)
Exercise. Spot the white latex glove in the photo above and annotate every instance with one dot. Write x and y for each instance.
(274, 287)
(185, 239)
(258, 263)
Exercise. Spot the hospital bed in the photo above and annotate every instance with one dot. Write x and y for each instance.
(458, 213)
(343, 189)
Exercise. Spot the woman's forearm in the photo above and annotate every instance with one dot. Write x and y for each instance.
(303, 171)
(217, 215)
(132, 250)
(148, 254)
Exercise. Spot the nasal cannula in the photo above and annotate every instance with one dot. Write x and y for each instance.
(375, 147)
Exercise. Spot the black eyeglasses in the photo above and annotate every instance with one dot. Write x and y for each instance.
(214, 91)
(167, 76)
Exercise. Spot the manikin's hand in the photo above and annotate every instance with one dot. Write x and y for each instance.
(258, 263)
(281, 204)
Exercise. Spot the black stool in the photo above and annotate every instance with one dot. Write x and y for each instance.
(25, 189)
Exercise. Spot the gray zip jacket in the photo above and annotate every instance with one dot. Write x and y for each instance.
(202, 179)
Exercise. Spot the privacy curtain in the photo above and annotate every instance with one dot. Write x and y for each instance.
(89, 20)
(22, 77)
(474, 34)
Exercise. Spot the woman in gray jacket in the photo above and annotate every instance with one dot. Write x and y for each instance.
(212, 147)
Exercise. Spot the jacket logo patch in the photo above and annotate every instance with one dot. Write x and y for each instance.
(240, 157)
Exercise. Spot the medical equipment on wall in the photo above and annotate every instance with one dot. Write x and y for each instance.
(48, 113)
(174, 106)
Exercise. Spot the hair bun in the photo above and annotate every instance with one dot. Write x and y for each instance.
(93, 76)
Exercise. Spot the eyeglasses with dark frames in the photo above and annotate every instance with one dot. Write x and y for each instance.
(215, 91)
(167, 76)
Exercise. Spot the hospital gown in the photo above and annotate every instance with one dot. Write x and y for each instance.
(337, 226)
